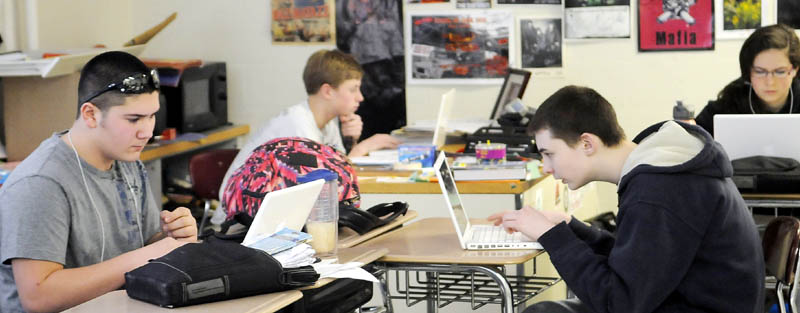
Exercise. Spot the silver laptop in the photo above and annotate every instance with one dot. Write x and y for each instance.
(745, 135)
(288, 207)
(475, 237)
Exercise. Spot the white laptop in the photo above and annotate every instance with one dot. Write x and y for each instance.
(288, 207)
(745, 135)
(475, 237)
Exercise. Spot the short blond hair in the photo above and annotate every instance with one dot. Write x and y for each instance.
(331, 67)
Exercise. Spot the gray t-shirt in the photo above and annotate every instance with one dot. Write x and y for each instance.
(47, 213)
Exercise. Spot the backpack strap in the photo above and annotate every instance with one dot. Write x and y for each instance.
(363, 221)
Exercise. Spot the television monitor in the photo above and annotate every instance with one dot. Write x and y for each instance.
(200, 100)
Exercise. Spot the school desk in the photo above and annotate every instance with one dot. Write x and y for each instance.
(118, 301)
(427, 257)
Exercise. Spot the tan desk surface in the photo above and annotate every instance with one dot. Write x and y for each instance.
(433, 240)
(118, 301)
(369, 184)
(349, 238)
(213, 136)
(770, 196)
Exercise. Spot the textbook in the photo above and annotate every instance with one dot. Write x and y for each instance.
(282, 240)
(509, 170)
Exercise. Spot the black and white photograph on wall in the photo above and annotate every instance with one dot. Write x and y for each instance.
(473, 4)
(597, 19)
(541, 45)
(739, 18)
(528, 1)
(458, 47)
(788, 12)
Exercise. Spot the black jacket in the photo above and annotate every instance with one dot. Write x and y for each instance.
(736, 102)
(685, 240)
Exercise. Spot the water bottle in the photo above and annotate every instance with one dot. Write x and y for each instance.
(322, 223)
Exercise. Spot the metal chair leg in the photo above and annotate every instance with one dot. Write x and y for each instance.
(206, 209)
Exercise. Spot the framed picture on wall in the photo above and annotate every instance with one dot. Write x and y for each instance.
(513, 87)
(541, 45)
(528, 1)
(458, 47)
(676, 25)
(736, 19)
(299, 22)
(473, 4)
(788, 12)
(597, 19)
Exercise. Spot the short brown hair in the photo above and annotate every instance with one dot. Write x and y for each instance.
(572, 111)
(105, 69)
(330, 67)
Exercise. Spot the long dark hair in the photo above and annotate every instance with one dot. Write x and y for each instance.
(778, 36)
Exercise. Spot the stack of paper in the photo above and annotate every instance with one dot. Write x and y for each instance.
(287, 246)
(301, 255)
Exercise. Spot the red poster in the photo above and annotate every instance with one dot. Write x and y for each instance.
(676, 25)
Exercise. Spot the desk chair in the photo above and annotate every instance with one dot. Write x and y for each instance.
(781, 243)
(207, 170)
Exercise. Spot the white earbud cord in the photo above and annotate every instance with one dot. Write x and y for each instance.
(750, 99)
(94, 206)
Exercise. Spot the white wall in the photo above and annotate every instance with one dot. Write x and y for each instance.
(262, 78)
(56, 24)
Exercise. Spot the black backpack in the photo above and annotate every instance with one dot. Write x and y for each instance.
(766, 174)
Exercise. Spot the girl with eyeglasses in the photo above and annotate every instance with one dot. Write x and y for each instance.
(769, 61)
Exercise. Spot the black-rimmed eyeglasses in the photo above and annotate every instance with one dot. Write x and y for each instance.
(135, 83)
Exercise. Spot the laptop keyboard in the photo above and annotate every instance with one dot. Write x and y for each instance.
(492, 234)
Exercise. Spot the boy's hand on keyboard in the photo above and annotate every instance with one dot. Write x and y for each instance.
(556, 216)
(527, 220)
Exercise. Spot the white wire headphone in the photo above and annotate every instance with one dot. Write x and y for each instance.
(94, 206)
(750, 98)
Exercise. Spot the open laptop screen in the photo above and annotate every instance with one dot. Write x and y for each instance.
(452, 194)
(745, 135)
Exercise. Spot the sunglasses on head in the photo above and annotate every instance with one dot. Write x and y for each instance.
(133, 84)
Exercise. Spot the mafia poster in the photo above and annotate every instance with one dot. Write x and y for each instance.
(676, 25)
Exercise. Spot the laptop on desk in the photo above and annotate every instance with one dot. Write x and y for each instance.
(746, 135)
(288, 207)
(475, 237)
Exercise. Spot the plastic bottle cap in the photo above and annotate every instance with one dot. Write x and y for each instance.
(322, 173)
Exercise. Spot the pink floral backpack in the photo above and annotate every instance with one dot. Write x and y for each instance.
(276, 164)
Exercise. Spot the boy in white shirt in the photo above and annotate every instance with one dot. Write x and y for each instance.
(333, 83)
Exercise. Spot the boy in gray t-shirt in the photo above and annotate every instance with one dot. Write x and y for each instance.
(77, 213)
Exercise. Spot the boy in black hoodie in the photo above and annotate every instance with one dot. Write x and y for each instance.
(685, 240)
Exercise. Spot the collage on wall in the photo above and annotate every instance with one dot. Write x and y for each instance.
(458, 46)
(597, 19)
(541, 46)
(298, 22)
(464, 45)
(676, 25)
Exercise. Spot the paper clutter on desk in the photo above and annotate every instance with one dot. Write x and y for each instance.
(353, 270)
(298, 256)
